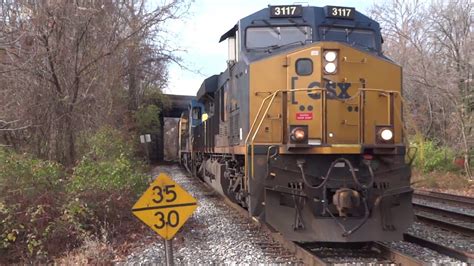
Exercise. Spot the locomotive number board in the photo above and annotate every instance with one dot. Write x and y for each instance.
(340, 12)
(286, 11)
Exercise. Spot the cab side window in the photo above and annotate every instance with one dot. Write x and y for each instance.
(197, 113)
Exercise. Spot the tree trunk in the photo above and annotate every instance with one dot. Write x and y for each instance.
(132, 80)
(70, 141)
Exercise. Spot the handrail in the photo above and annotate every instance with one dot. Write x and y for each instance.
(250, 130)
(262, 118)
(253, 131)
(252, 150)
(258, 114)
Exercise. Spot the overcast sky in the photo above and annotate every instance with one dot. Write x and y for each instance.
(200, 31)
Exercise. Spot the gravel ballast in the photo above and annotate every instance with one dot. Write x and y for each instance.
(215, 234)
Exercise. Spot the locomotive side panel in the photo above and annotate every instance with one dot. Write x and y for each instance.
(266, 77)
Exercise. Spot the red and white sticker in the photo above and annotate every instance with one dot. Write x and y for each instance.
(304, 116)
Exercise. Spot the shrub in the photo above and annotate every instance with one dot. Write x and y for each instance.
(32, 192)
(432, 157)
(109, 166)
(104, 145)
(44, 213)
(148, 120)
(107, 180)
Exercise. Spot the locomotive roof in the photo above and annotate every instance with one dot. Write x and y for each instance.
(208, 87)
(310, 15)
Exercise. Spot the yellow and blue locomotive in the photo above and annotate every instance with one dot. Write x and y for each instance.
(304, 128)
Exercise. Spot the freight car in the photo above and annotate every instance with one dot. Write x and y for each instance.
(304, 128)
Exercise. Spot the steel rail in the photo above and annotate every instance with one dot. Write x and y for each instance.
(383, 252)
(458, 228)
(458, 254)
(397, 256)
(445, 197)
(444, 212)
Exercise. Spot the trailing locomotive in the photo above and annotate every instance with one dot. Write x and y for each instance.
(304, 128)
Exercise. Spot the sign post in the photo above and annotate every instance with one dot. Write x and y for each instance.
(169, 253)
(165, 207)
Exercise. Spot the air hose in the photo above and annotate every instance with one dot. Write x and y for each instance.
(364, 187)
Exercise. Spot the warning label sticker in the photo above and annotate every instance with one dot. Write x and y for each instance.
(304, 116)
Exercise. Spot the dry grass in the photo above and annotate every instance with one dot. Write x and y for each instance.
(93, 251)
(111, 249)
(443, 181)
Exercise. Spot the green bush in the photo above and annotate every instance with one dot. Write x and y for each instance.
(107, 180)
(148, 120)
(109, 166)
(44, 211)
(432, 157)
(105, 144)
(32, 192)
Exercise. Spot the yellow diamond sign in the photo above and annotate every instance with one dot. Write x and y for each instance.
(165, 206)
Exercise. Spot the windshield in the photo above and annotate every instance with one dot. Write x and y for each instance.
(357, 37)
(266, 37)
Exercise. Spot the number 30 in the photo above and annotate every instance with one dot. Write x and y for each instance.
(172, 219)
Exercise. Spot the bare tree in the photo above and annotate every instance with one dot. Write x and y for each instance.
(65, 65)
(433, 42)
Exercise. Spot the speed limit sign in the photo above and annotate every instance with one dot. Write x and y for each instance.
(165, 206)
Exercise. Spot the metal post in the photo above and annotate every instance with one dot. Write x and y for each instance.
(169, 253)
(147, 152)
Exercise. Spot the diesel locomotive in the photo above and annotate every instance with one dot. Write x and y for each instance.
(304, 128)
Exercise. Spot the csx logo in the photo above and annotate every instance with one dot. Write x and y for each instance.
(331, 88)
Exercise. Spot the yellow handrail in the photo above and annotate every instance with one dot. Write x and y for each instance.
(272, 97)
(252, 150)
(253, 132)
(250, 130)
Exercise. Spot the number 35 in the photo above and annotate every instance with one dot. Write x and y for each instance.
(170, 194)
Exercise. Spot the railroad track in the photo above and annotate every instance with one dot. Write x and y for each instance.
(457, 200)
(446, 219)
(461, 223)
(370, 253)
(443, 212)
(460, 255)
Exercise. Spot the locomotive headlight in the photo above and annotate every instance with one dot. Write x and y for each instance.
(298, 134)
(330, 68)
(330, 61)
(330, 56)
(386, 134)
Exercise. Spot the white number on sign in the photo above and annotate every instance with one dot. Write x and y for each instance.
(285, 11)
(341, 12)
